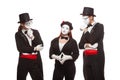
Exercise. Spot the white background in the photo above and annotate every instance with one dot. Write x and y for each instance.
(47, 16)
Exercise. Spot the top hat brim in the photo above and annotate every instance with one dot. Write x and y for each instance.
(87, 15)
(24, 21)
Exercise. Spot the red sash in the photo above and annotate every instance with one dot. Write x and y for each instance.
(30, 56)
(90, 52)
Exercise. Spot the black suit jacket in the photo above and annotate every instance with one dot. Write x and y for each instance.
(70, 48)
(95, 36)
(23, 44)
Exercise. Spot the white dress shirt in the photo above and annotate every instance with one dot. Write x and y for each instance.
(61, 45)
(95, 45)
(29, 39)
(91, 27)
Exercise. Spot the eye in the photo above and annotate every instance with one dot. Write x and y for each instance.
(67, 28)
(85, 17)
(62, 27)
(27, 23)
(30, 22)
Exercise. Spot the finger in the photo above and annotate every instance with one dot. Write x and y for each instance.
(61, 62)
(63, 54)
(81, 29)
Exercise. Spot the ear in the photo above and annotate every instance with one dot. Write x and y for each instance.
(69, 32)
(21, 24)
(91, 17)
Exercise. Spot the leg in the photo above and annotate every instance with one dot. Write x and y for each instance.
(58, 73)
(98, 70)
(21, 71)
(87, 70)
(36, 71)
(70, 72)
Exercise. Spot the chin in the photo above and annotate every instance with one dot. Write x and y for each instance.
(64, 34)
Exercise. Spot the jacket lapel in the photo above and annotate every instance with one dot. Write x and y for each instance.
(65, 45)
(93, 28)
(24, 37)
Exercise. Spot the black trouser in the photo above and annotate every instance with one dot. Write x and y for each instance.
(66, 70)
(93, 67)
(34, 67)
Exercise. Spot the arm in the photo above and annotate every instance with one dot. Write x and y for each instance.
(51, 51)
(89, 46)
(97, 34)
(21, 45)
(74, 55)
(82, 42)
(38, 39)
(75, 50)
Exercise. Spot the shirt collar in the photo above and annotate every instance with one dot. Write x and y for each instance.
(23, 30)
(93, 23)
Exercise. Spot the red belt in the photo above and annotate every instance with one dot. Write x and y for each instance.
(29, 56)
(90, 52)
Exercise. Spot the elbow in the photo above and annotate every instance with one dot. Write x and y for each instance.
(50, 56)
(81, 47)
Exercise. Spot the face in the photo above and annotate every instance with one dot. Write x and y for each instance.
(65, 29)
(28, 24)
(86, 20)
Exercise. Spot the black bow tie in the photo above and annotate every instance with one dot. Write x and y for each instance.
(25, 32)
(64, 37)
(89, 25)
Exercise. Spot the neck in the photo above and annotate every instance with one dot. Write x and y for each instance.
(91, 21)
(65, 35)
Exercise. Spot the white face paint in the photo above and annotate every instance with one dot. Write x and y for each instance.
(86, 20)
(65, 29)
(28, 24)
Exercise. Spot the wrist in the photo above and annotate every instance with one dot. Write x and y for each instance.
(70, 57)
(53, 56)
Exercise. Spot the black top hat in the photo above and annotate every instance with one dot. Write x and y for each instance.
(67, 23)
(24, 17)
(88, 11)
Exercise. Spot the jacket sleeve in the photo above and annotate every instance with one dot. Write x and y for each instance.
(51, 50)
(94, 37)
(22, 48)
(38, 39)
(75, 51)
(97, 34)
(82, 42)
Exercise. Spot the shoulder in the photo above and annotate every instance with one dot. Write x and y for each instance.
(55, 39)
(34, 30)
(99, 24)
(73, 40)
(17, 33)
